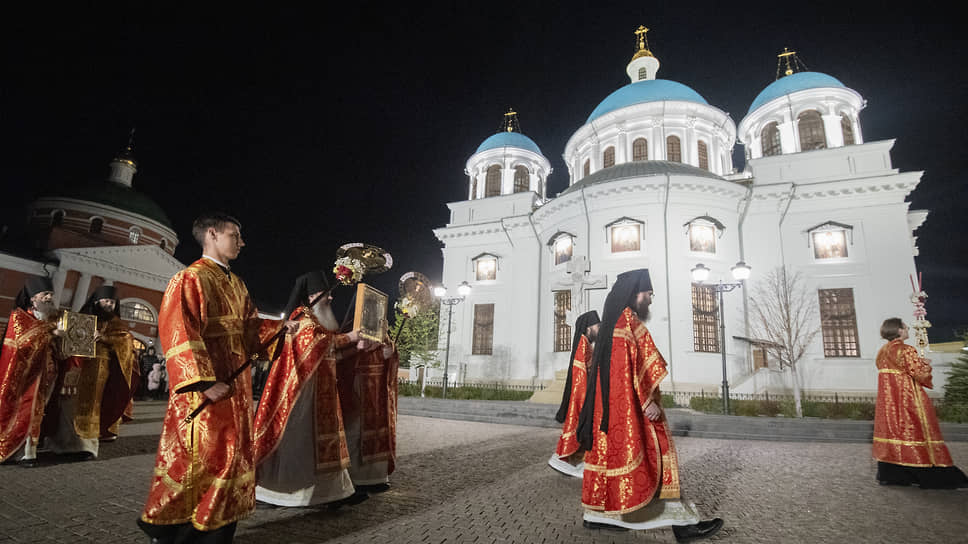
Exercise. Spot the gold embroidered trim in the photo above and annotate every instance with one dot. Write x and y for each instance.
(889, 371)
(620, 471)
(193, 345)
(925, 443)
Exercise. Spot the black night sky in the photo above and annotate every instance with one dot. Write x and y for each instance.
(353, 123)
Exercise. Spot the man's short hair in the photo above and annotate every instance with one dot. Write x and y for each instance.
(209, 220)
(891, 328)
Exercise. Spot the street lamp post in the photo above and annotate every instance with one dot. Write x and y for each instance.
(741, 272)
(440, 291)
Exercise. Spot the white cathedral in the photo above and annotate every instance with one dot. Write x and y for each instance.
(652, 185)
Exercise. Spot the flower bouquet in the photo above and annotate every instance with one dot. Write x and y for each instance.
(348, 270)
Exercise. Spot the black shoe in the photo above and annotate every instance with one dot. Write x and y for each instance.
(27, 463)
(77, 456)
(355, 498)
(703, 529)
(377, 488)
(602, 526)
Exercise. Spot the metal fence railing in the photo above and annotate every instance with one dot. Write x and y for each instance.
(482, 385)
(683, 398)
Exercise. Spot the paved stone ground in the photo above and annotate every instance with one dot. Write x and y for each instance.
(460, 481)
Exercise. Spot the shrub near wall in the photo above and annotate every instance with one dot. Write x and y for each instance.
(785, 408)
(406, 389)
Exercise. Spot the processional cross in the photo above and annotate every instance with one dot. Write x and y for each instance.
(578, 282)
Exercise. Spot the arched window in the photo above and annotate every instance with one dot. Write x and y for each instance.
(640, 149)
(608, 157)
(522, 179)
(134, 235)
(97, 224)
(163, 244)
(770, 140)
(812, 136)
(137, 311)
(57, 218)
(703, 155)
(587, 169)
(643, 73)
(847, 128)
(673, 149)
(492, 182)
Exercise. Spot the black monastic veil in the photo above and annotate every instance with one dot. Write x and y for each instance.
(627, 286)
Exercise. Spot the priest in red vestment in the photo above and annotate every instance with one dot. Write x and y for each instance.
(568, 457)
(204, 476)
(631, 478)
(908, 445)
(300, 445)
(28, 371)
(93, 391)
(367, 381)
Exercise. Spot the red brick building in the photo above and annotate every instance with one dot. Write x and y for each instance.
(91, 234)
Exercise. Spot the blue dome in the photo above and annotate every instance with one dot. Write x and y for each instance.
(509, 139)
(793, 83)
(640, 92)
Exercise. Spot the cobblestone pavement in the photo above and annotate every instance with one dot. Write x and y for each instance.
(461, 481)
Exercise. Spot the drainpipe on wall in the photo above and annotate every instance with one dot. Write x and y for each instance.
(779, 226)
(588, 236)
(742, 256)
(665, 227)
(537, 334)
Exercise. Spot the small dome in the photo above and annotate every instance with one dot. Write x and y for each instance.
(509, 139)
(792, 83)
(117, 196)
(640, 92)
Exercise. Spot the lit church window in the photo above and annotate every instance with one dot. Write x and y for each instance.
(137, 312)
(829, 244)
(522, 179)
(702, 238)
(608, 158)
(627, 237)
(486, 268)
(134, 235)
(703, 232)
(564, 246)
(492, 181)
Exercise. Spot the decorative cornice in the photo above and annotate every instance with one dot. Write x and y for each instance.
(106, 261)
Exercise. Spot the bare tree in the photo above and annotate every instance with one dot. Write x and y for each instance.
(784, 313)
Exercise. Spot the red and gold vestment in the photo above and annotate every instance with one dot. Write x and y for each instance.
(568, 442)
(906, 428)
(375, 379)
(636, 458)
(307, 353)
(204, 472)
(104, 387)
(28, 371)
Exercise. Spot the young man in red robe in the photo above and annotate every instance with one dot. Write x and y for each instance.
(300, 445)
(28, 371)
(631, 478)
(568, 457)
(908, 445)
(204, 476)
(368, 398)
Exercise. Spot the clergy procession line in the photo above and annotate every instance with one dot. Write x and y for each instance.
(615, 435)
(324, 430)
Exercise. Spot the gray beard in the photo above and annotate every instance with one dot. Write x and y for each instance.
(324, 314)
(43, 311)
(642, 312)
